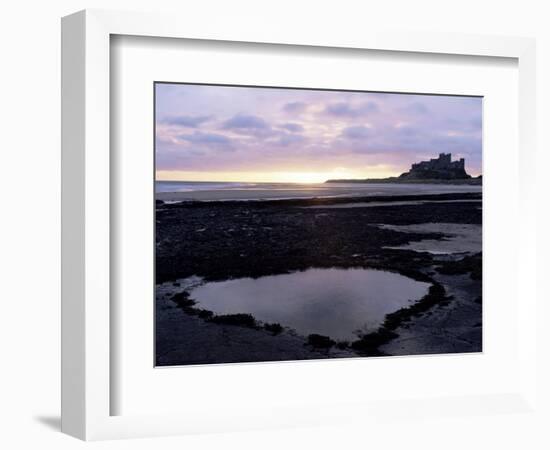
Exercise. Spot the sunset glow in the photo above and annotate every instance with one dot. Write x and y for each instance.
(267, 177)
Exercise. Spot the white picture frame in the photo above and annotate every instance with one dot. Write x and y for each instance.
(86, 219)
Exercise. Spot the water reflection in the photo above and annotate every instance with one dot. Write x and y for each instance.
(333, 302)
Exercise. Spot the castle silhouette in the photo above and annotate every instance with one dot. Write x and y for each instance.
(441, 168)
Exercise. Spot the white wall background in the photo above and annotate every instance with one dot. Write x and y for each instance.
(30, 188)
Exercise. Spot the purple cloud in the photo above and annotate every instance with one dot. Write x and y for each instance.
(416, 108)
(246, 122)
(356, 132)
(186, 121)
(292, 127)
(294, 107)
(206, 138)
(343, 109)
(286, 139)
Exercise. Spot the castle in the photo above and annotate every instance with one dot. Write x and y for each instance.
(441, 168)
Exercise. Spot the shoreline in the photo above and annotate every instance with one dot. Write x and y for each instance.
(353, 190)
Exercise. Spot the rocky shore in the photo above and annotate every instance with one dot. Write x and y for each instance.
(216, 241)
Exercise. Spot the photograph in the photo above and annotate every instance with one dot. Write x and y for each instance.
(307, 223)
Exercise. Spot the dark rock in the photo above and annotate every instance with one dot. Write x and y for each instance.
(320, 341)
(469, 264)
(274, 328)
(368, 344)
(182, 300)
(342, 345)
(286, 238)
(205, 314)
(241, 320)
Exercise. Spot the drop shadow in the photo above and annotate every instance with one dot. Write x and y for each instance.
(51, 422)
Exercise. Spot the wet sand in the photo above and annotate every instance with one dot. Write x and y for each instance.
(388, 203)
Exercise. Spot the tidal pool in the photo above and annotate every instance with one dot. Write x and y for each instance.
(459, 238)
(339, 303)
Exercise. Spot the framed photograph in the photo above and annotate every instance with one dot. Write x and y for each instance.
(292, 214)
(283, 232)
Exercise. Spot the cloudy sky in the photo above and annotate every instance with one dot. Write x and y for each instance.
(220, 133)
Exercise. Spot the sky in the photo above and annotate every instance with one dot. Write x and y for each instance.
(231, 133)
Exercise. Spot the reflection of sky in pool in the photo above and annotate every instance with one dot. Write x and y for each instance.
(459, 238)
(333, 302)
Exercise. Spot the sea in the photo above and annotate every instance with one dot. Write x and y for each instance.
(224, 190)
